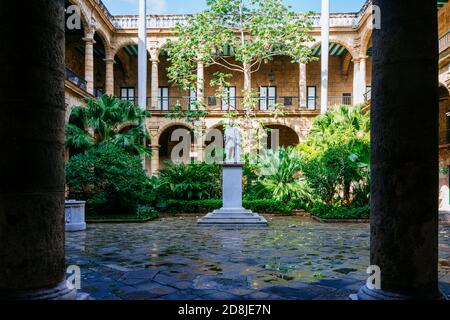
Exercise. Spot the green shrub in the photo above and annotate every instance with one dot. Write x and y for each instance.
(205, 206)
(326, 211)
(146, 212)
(193, 206)
(268, 206)
(110, 180)
(337, 162)
(195, 181)
(279, 177)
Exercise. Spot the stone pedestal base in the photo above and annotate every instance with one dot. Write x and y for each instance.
(59, 292)
(368, 294)
(233, 218)
(232, 214)
(444, 217)
(74, 215)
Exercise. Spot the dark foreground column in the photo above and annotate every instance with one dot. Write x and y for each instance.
(32, 158)
(404, 220)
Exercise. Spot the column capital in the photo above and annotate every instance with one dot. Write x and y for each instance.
(89, 39)
(154, 50)
(356, 60)
(109, 60)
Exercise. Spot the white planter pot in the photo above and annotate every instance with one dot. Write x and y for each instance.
(74, 215)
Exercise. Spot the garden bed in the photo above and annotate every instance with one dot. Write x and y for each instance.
(338, 220)
(206, 206)
(120, 219)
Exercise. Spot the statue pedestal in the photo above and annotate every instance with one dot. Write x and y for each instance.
(232, 214)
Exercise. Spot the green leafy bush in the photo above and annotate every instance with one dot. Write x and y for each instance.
(145, 212)
(205, 206)
(277, 175)
(110, 180)
(325, 211)
(337, 163)
(195, 181)
(111, 120)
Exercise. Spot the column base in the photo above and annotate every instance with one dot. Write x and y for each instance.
(59, 292)
(373, 294)
(233, 218)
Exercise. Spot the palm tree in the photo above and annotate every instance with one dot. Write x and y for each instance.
(280, 176)
(108, 119)
(345, 131)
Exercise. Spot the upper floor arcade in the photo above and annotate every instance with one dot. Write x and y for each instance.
(101, 57)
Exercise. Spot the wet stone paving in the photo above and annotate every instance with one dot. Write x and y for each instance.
(173, 259)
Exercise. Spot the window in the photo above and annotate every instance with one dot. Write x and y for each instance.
(347, 99)
(163, 98)
(312, 96)
(368, 95)
(267, 97)
(227, 51)
(287, 101)
(192, 99)
(98, 92)
(229, 102)
(127, 93)
(212, 101)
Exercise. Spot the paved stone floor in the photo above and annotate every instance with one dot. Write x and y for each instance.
(295, 258)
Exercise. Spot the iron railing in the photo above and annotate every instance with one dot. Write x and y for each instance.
(76, 79)
(444, 42)
(282, 104)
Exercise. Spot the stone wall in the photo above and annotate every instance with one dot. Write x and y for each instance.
(444, 19)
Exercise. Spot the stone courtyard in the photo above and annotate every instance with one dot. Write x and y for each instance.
(172, 258)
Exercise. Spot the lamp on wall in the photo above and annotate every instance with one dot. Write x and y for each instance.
(271, 76)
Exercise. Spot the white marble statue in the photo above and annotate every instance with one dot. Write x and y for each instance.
(232, 142)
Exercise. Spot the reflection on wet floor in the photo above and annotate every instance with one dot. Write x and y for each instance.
(173, 258)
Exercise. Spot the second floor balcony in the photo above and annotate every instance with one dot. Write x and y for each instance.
(279, 105)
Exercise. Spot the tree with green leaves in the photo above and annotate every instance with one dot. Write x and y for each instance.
(108, 119)
(256, 31)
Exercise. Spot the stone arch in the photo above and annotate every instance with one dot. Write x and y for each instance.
(366, 40)
(353, 52)
(346, 63)
(172, 124)
(106, 42)
(164, 140)
(288, 135)
(121, 43)
(444, 92)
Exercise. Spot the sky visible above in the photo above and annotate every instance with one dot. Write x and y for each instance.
(125, 7)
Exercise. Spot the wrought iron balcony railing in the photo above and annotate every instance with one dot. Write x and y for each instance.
(76, 79)
(273, 105)
(444, 42)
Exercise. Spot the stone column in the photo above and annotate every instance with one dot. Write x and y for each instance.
(404, 201)
(303, 94)
(200, 82)
(356, 81)
(89, 61)
(199, 141)
(109, 85)
(142, 55)
(32, 264)
(154, 166)
(362, 78)
(154, 58)
(325, 29)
